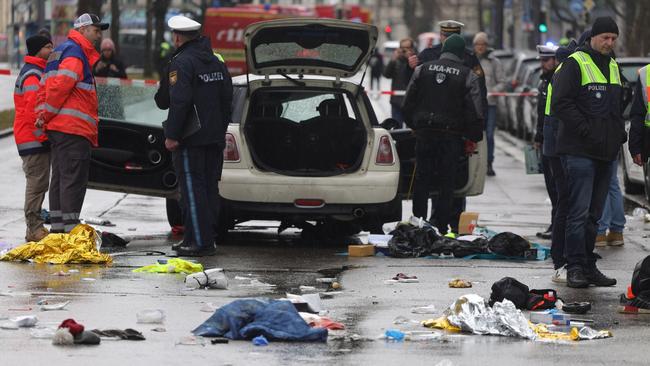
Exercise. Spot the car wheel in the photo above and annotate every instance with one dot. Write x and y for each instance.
(174, 213)
(631, 187)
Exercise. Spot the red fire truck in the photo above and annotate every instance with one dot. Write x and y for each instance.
(225, 26)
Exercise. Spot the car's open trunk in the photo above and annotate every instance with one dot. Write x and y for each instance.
(326, 143)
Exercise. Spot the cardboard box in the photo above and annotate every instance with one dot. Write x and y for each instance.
(361, 250)
(467, 223)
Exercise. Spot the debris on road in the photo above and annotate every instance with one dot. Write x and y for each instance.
(459, 283)
(79, 246)
(55, 306)
(364, 250)
(402, 278)
(523, 298)
(260, 341)
(307, 302)
(219, 340)
(394, 335)
(111, 240)
(126, 334)
(151, 316)
(70, 332)
(97, 221)
(277, 320)
(190, 341)
(214, 278)
(173, 265)
(429, 309)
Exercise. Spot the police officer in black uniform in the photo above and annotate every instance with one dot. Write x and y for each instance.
(198, 92)
(442, 105)
(448, 28)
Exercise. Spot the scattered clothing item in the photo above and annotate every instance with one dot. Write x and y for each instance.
(519, 294)
(316, 321)
(277, 320)
(508, 244)
(71, 330)
(78, 246)
(260, 341)
(111, 240)
(458, 283)
(126, 334)
(174, 265)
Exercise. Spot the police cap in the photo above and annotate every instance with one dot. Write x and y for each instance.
(544, 51)
(448, 27)
(183, 24)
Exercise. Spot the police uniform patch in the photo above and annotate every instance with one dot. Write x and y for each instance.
(173, 77)
(440, 77)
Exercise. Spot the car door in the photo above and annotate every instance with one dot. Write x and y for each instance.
(471, 170)
(131, 156)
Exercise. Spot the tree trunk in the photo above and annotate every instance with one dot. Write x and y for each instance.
(89, 6)
(418, 15)
(115, 24)
(148, 50)
(498, 23)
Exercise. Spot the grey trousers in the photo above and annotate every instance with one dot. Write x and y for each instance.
(70, 164)
(37, 176)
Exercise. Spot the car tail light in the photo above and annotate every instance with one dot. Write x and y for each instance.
(385, 152)
(230, 152)
(309, 203)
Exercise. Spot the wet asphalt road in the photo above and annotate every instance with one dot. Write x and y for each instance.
(109, 297)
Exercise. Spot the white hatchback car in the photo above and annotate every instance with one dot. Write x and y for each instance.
(304, 145)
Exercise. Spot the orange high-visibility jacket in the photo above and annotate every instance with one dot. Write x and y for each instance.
(68, 102)
(29, 139)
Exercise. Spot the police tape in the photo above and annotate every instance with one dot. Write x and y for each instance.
(125, 82)
(490, 94)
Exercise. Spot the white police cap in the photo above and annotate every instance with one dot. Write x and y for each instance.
(182, 23)
(546, 50)
(450, 26)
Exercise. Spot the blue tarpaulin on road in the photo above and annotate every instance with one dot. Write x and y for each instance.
(277, 320)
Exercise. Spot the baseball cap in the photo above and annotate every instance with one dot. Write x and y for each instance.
(89, 19)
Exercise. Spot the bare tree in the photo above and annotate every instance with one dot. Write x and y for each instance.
(148, 61)
(637, 38)
(89, 6)
(115, 24)
(418, 15)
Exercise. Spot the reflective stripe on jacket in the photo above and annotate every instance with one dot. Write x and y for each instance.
(68, 102)
(29, 139)
(644, 77)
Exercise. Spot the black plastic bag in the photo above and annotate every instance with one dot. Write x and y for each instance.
(641, 277)
(511, 289)
(465, 248)
(410, 241)
(113, 241)
(508, 244)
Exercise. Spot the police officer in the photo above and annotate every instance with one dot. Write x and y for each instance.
(639, 144)
(586, 100)
(198, 92)
(442, 105)
(448, 28)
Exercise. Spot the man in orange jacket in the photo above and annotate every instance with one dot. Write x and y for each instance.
(68, 112)
(31, 142)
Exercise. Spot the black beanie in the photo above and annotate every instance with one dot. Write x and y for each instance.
(454, 44)
(604, 25)
(35, 43)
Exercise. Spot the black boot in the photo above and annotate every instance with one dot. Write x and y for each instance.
(597, 278)
(196, 251)
(575, 278)
(490, 171)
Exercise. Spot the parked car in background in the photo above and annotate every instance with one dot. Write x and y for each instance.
(527, 104)
(636, 179)
(505, 57)
(517, 73)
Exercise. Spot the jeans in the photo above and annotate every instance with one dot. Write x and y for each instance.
(588, 182)
(561, 209)
(436, 158)
(550, 185)
(613, 217)
(490, 126)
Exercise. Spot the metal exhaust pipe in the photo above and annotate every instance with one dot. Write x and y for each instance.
(358, 212)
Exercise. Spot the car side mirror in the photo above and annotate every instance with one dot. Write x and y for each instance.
(390, 124)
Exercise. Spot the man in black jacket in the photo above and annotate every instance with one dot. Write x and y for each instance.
(442, 105)
(639, 143)
(198, 92)
(399, 71)
(587, 101)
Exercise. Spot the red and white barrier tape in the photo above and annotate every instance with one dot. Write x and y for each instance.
(126, 82)
(490, 94)
(5, 72)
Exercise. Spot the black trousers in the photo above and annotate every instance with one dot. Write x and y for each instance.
(199, 170)
(437, 162)
(550, 185)
(70, 157)
(561, 210)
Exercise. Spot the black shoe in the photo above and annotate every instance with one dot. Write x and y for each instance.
(196, 251)
(548, 234)
(575, 278)
(177, 245)
(597, 278)
(490, 171)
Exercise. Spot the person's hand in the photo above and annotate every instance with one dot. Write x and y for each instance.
(538, 145)
(638, 160)
(113, 68)
(171, 145)
(470, 147)
(100, 65)
(413, 61)
(39, 122)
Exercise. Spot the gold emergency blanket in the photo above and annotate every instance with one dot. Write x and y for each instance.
(76, 247)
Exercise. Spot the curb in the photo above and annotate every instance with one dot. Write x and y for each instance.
(6, 132)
